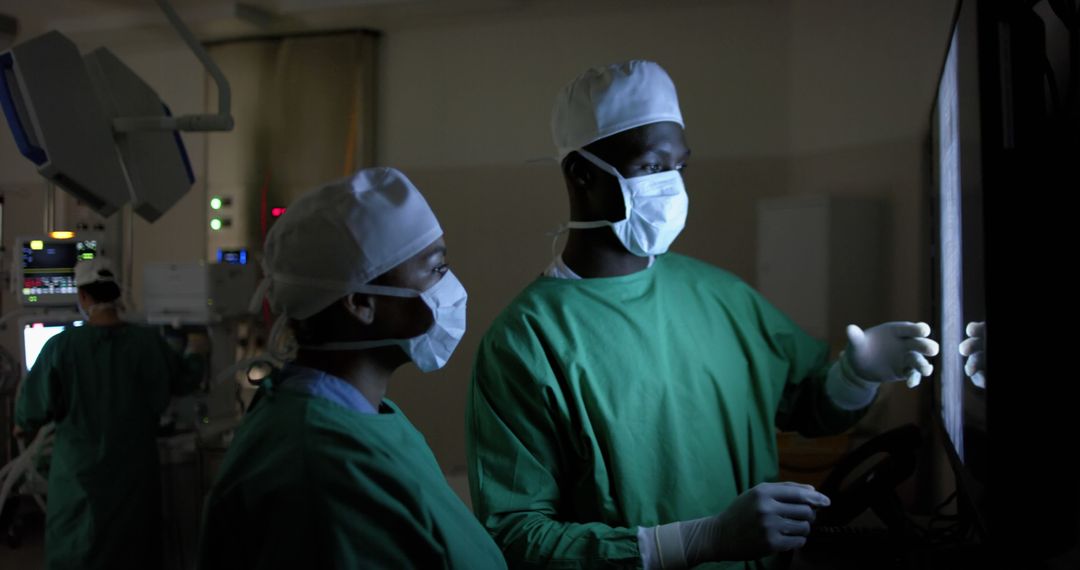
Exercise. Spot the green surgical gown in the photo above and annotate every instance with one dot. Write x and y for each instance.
(311, 483)
(105, 387)
(600, 405)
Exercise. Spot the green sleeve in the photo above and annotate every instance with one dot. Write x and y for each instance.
(366, 515)
(271, 527)
(514, 416)
(41, 395)
(803, 363)
(325, 510)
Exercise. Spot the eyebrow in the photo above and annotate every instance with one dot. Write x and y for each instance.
(666, 152)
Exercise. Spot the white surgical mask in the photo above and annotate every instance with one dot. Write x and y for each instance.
(656, 208)
(430, 351)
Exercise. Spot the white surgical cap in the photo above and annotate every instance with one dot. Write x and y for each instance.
(96, 270)
(343, 235)
(611, 99)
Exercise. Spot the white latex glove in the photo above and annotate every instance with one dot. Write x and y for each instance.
(890, 352)
(974, 348)
(771, 517)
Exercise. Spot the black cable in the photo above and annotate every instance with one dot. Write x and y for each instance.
(945, 502)
(1051, 81)
(1068, 11)
(1065, 11)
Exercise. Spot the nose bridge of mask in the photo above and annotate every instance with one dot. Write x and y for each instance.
(660, 184)
(448, 281)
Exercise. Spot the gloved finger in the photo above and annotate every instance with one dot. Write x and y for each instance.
(923, 345)
(856, 337)
(784, 488)
(979, 379)
(904, 329)
(796, 512)
(976, 328)
(975, 363)
(784, 543)
(913, 379)
(970, 346)
(794, 528)
(798, 495)
(919, 363)
(794, 484)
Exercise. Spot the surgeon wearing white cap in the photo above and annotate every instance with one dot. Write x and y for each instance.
(105, 385)
(623, 408)
(326, 472)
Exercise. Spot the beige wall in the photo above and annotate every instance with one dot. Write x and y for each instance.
(863, 72)
(479, 93)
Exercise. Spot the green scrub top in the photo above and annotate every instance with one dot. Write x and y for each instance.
(105, 388)
(311, 481)
(601, 405)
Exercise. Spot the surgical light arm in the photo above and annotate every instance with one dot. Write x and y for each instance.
(222, 121)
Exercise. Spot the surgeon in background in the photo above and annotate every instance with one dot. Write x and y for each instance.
(326, 472)
(623, 408)
(105, 385)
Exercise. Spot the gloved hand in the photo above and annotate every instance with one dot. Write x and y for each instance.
(974, 347)
(771, 517)
(890, 352)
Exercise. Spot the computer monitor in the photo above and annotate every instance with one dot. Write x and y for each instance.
(37, 331)
(959, 281)
(47, 269)
(1003, 153)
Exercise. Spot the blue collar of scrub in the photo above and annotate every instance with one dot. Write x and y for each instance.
(326, 386)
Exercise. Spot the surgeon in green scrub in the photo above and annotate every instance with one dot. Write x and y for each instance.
(325, 471)
(105, 385)
(623, 408)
